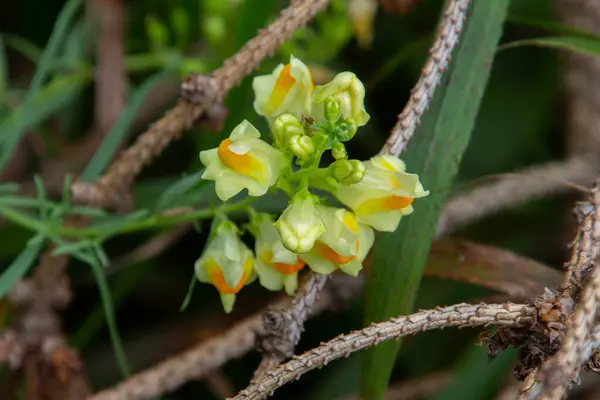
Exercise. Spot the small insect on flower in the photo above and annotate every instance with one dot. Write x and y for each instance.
(300, 224)
(227, 263)
(286, 90)
(384, 195)
(344, 244)
(243, 161)
(348, 91)
(276, 266)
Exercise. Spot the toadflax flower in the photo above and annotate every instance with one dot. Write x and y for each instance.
(243, 161)
(384, 195)
(344, 244)
(300, 224)
(276, 266)
(349, 91)
(227, 264)
(286, 90)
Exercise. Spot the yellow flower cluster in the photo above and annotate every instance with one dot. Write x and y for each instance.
(305, 121)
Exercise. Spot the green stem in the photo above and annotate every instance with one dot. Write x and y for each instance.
(155, 221)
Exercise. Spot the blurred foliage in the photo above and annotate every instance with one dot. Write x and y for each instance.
(47, 65)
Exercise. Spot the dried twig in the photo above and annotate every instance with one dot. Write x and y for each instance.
(459, 315)
(36, 342)
(110, 70)
(558, 372)
(283, 328)
(532, 183)
(193, 363)
(201, 94)
(422, 93)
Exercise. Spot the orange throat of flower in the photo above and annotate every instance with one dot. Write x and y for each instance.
(218, 280)
(286, 269)
(244, 164)
(329, 254)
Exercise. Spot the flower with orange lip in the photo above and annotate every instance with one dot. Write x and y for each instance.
(286, 90)
(243, 161)
(344, 244)
(227, 263)
(384, 195)
(276, 266)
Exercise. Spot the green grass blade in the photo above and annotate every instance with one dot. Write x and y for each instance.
(188, 295)
(114, 138)
(52, 98)
(435, 153)
(109, 311)
(585, 45)
(59, 33)
(24, 46)
(178, 189)
(19, 267)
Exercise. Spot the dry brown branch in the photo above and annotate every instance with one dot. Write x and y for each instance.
(581, 81)
(558, 372)
(422, 93)
(109, 82)
(195, 362)
(36, 342)
(201, 93)
(282, 328)
(532, 183)
(555, 311)
(459, 315)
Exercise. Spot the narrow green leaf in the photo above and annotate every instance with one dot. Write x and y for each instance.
(178, 189)
(59, 33)
(9, 187)
(188, 295)
(585, 45)
(114, 138)
(50, 99)
(71, 247)
(435, 153)
(19, 267)
(551, 26)
(477, 378)
(27, 48)
(41, 195)
(109, 311)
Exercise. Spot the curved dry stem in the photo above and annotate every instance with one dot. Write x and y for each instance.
(459, 315)
(200, 93)
(532, 183)
(422, 93)
(283, 328)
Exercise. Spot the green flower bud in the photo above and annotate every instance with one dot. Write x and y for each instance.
(346, 130)
(332, 109)
(301, 146)
(338, 151)
(284, 127)
(347, 172)
(300, 224)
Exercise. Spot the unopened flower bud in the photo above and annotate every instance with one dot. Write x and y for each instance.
(301, 146)
(338, 151)
(300, 224)
(347, 172)
(332, 109)
(346, 130)
(284, 127)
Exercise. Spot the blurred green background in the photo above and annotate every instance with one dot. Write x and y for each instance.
(520, 123)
